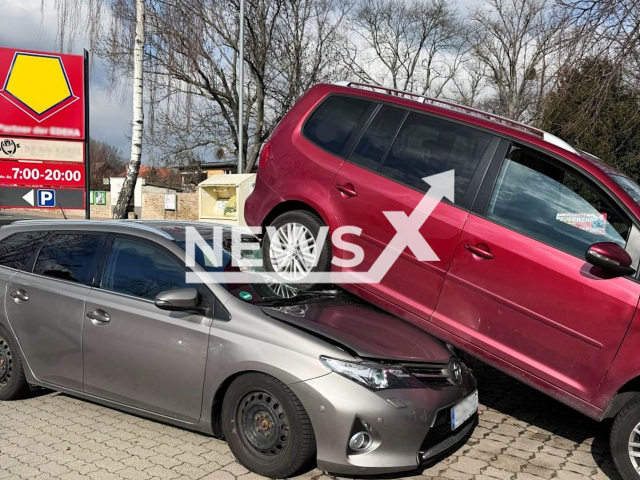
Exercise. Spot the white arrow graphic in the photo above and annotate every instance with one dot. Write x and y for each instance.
(408, 229)
(407, 235)
(29, 198)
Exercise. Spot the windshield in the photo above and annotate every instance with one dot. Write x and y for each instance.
(629, 186)
(248, 259)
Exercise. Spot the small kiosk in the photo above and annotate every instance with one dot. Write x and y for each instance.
(221, 198)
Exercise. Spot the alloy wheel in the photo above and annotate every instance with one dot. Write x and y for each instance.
(280, 289)
(6, 363)
(293, 251)
(634, 448)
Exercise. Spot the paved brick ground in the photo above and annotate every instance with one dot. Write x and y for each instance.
(522, 435)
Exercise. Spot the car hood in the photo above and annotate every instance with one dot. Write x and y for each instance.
(362, 328)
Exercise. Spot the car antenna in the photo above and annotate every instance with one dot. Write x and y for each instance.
(63, 214)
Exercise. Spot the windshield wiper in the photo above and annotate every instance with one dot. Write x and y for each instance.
(300, 296)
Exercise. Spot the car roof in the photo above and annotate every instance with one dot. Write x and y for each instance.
(170, 230)
(495, 123)
(470, 114)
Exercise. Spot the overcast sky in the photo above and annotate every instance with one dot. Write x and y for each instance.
(24, 26)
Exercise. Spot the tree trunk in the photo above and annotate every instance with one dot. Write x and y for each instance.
(128, 188)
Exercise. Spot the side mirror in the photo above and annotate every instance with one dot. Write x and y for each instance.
(178, 300)
(611, 257)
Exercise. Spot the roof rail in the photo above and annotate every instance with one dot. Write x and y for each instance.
(446, 104)
(124, 223)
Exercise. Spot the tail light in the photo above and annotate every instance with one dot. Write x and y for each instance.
(265, 155)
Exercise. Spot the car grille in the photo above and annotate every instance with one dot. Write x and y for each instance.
(441, 429)
(430, 374)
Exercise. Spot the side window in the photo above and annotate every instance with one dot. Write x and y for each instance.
(69, 256)
(427, 146)
(141, 270)
(538, 198)
(17, 249)
(377, 137)
(335, 122)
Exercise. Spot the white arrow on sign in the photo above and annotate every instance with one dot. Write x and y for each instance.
(29, 198)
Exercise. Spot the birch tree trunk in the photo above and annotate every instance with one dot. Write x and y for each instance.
(128, 188)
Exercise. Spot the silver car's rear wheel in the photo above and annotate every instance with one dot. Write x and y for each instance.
(6, 363)
(293, 252)
(13, 383)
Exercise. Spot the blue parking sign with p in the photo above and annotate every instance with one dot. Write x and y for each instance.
(46, 198)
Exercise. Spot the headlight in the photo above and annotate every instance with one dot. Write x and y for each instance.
(373, 375)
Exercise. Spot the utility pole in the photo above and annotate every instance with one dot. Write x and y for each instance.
(241, 91)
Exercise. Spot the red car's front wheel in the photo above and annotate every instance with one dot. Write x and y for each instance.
(625, 440)
(294, 250)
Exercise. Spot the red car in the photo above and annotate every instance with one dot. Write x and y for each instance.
(537, 250)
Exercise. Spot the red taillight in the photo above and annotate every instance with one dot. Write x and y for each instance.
(265, 155)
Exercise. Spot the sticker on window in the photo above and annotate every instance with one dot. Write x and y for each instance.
(594, 223)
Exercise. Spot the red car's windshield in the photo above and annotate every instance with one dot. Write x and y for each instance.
(629, 186)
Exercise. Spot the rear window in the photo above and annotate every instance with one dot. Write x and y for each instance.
(69, 256)
(428, 145)
(335, 122)
(17, 249)
(376, 139)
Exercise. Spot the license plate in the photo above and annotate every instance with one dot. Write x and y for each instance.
(463, 411)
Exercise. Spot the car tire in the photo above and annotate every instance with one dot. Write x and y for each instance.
(624, 432)
(308, 224)
(267, 428)
(13, 382)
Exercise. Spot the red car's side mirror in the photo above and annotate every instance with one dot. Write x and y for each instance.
(610, 256)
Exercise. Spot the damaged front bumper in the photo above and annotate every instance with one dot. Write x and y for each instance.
(407, 427)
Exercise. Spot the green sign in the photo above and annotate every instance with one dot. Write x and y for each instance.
(99, 197)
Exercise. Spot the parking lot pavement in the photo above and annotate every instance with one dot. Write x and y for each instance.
(522, 435)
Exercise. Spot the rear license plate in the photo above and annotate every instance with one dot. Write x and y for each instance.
(463, 411)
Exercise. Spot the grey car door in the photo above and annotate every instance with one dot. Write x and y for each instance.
(45, 306)
(135, 353)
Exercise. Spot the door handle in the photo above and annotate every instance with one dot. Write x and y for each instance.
(99, 317)
(20, 294)
(347, 189)
(480, 250)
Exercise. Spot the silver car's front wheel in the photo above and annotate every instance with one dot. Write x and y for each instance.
(293, 252)
(267, 428)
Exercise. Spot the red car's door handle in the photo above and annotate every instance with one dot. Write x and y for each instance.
(480, 250)
(347, 189)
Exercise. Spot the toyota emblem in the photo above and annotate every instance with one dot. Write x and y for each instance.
(456, 370)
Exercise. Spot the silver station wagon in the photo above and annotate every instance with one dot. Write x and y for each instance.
(102, 311)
